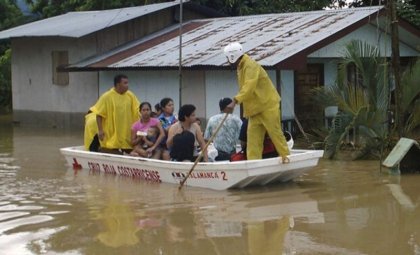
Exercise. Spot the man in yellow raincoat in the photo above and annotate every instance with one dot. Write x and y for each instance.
(116, 110)
(261, 103)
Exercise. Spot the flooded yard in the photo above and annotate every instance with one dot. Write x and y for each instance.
(338, 208)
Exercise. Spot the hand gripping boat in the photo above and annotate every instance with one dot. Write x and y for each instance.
(219, 175)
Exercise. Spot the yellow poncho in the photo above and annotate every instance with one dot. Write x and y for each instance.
(91, 129)
(119, 112)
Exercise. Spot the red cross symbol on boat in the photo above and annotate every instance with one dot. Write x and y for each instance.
(76, 164)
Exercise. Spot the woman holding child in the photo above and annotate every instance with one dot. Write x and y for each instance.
(147, 134)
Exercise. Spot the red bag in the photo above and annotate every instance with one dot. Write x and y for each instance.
(268, 146)
(239, 156)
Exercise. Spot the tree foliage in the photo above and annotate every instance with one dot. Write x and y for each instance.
(407, 9)
(49, 8)
(10, 15)
(362, 103)
(246, 7)
(410, 101)
(5, 81)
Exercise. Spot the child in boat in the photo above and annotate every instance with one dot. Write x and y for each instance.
(147, 140)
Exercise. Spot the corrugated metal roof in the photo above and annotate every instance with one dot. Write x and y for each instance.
(269, 39)
(78, 24)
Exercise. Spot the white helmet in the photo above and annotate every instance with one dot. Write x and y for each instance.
(233, 51)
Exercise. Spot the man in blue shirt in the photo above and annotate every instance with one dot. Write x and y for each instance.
(228, 135)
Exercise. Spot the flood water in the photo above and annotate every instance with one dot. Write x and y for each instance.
(338, 208)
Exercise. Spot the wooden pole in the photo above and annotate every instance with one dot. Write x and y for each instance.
(180, 52)
(203, 150)
(395, 59)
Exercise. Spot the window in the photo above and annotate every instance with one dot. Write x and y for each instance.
(60, 59)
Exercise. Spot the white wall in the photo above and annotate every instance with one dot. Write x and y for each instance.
(32, 85)
(150, 86)
(368, 33)
(287, 94)
(219, 84)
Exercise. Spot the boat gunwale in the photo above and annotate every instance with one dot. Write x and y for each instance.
(300, 155)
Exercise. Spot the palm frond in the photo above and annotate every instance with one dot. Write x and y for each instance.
(413, 120)
(411, 83)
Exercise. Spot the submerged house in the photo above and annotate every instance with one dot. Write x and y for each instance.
(299, 50)
(44, 96)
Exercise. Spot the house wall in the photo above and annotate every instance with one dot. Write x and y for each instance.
(368, 33)
(150, 86)
(36, 100)
(219, 84)
(193, 91)
(134, 29)
(204, 89)
(137, 28)
(330, 69)
(287, 94)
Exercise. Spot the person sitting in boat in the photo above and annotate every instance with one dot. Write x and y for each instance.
(166, 118)
(91, 140)
(139, 133)
(228, 135)
(183, 135)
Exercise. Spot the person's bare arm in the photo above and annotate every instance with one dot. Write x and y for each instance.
(134, 138)
(161, 135)
(171, 134)
(201, 142)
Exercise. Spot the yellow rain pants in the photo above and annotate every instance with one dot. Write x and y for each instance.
(267, 237)
(261, 102)
(267, 121)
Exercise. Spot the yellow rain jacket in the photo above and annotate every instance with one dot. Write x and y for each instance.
(261, 104)
(119, 112)
(256, 91)
(91, 129)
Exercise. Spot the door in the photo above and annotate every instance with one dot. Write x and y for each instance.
(308, 113)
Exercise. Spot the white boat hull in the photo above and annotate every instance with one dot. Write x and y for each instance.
(214, 175)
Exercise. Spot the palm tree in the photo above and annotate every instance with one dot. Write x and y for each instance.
(361, 93)
(363, 100)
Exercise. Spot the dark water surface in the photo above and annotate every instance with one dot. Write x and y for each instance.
(339, 208)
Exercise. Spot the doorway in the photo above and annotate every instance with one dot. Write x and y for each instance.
(309, 113)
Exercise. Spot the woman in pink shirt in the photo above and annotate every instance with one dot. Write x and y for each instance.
(139, 134)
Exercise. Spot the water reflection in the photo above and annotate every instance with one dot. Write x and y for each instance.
(339, 208)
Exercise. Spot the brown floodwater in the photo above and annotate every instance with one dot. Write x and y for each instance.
(338, 208)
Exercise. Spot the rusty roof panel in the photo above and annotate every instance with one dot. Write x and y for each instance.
(269, 39)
